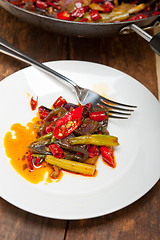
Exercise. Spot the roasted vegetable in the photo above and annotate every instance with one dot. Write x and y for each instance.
(92, 10)
(72, 166)
(95, 139)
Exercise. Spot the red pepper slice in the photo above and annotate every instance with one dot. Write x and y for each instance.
(64, 15)
(137, 17)
(108, 156)
(37, 161)
(59, 102)
(56, 151)
(41, 5)
(30, 161)
(97, 1)
(55, 6)
(67, 124)
(42, 112)
(83, 20)
(78, 12)
(156, 13)
(109, 5)
(33, 103)
(97, 116)
(49, 128)
(92, 150)
(95, 15)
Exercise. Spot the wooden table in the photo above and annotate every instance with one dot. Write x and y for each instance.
(130, 54)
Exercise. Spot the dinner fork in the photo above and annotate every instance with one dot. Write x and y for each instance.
(84, 95)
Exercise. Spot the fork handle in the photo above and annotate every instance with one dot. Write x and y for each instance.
(10, 50)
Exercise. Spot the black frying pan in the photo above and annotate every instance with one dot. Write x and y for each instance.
(89, 30)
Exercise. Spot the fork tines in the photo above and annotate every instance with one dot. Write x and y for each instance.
(122, 113)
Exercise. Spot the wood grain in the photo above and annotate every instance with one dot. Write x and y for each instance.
(130, 54)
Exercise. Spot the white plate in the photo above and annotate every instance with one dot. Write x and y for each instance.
(74, 197)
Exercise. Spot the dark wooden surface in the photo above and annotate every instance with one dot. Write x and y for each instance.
(130, 54)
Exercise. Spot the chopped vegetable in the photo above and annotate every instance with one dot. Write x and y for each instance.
(107, 155)
(92, 10)
(97, 116)
(72, 166)
(95, 139)
(70, 137)
(33, 103)
(59, 102)
(66, 125)
(56, 151)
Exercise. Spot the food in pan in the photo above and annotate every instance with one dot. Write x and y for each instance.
(93, 11)
(64, 137)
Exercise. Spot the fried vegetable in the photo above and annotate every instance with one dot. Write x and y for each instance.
(64, 143)
(88, 126)
(95, 139)
(72, 166)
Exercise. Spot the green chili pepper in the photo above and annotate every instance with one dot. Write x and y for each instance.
(95, 139)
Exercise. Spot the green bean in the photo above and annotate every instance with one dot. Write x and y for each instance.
(39, 156)
(95, 139)
(72, 166)
(44, 137)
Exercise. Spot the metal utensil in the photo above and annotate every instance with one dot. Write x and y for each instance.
(83, 95)
(154, 41)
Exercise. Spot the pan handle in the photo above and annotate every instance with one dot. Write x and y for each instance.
(127, 29)
(154, 41)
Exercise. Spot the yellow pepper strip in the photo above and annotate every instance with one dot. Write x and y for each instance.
(95, 139)
(95, 6)
(137, 8)
(72, 166)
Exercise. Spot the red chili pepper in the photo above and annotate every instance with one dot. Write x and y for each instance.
(156, 13)
(109, 5)
(49, 128)
(97, 116)
(86, 8)
(59, 102)
(37, 161)
(83, 20)
(40, 4)
(137, 17)
(40, 109)
(56, 151)
(16, 3)
(67, 124)
(64, 15)
(95, 15)
(108, 156)
(92, 150)
(43, 114)
(53, 5)
(33, 103)
(30, 161)
(78, 12)
(97, 1)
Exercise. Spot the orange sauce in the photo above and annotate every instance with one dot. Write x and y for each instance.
(16, 147)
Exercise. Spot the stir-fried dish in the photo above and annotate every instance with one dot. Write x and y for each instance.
(64, 137)
(104, 11)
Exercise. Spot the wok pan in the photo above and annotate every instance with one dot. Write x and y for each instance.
(89, 30)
